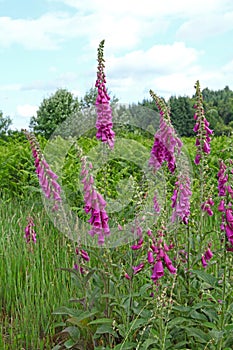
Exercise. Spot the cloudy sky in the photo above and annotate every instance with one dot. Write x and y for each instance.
(163, 45)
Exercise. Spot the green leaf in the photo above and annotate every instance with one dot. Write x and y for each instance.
(206, 277)
(102, 321)
(198, 316)
(69, 343)
(125, 346)
(198, 334)
(63, 310)
(177, 321)
(137, 323)
(104, 328)
(73, 332)
(147, 343)
(81, 316)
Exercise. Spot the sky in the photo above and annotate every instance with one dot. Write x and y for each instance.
(163, 45)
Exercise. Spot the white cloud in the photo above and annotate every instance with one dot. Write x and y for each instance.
(26, 110)
(61, 81)
(160, 67)
(147, 8)
(205, 26)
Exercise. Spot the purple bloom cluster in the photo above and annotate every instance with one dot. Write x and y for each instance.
(47, 178)
(30, 234)
(82, 255)
(94, 204)
(206, 206)
(166, 142)
(181, 199)
(206, 257)
(225, 207)
(104, 112)
(201, 127)
(156, 256)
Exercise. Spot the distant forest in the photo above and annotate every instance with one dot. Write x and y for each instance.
(218, 107)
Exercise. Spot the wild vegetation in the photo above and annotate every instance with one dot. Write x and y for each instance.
(135, 251)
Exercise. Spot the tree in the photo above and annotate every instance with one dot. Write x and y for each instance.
(53, 111)
(5, 123)
(90, 97)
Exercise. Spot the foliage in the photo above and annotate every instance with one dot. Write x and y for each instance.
(5, 123)
(53, 111)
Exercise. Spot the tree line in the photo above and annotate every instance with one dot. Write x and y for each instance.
(62, 104)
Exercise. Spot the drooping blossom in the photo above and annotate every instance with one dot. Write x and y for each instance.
(94, 205)
(222, 179)
(158, 270)
(206, 206)
(127, 276)
(166, 142)
(201, 127)
(104, 113)
(181, 199)
(47, 178)
(203, 261)
(137, 268)
(157, 256)
(225, 205)
(30, 234)
(81, 255)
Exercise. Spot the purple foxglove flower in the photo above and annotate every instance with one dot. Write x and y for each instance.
(156, 205)
(221, 206)
(208, 254)
(167, 260)
(158, 270)
(196, 127)
(154, 248)
(229, 217)
(150, 257)
(229, 232)
(149, 232)
(85, 255)
(206, 147)
(127, 276)
(136, 246)
(30, 234)
(171, 269)
(137, 268)
(197, 159)
(104, 112)
(203, 261)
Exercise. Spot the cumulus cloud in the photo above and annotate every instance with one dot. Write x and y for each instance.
(26, 110)
(205, 26)
(146, 8)
(61, 81)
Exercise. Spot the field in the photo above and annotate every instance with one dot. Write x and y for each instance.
(103, 303)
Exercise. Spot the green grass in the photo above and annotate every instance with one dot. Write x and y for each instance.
(32, 285)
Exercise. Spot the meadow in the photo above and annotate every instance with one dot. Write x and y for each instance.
(104, 309)
(116, 234)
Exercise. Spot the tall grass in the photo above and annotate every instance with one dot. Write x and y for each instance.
(31, 283)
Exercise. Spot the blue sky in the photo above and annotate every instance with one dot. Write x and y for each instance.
(151, 44)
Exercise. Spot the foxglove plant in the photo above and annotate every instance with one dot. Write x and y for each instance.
(94, 204)
(225, 205)
(82, 255)
(30, 234)
(104, 113)
(203, 147)
(181, 199)
(156, 255)
(201, 127)
(166, 142)
(47, 178)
